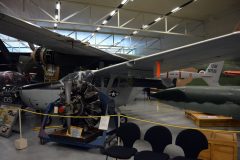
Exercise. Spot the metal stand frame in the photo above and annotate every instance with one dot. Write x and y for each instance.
(99, 142)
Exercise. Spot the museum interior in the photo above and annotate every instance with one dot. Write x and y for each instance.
(120, 79)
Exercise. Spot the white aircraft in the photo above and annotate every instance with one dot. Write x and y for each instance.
(114, 80)
(210, 76)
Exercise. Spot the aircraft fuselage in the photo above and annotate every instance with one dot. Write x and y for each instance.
(222, 100)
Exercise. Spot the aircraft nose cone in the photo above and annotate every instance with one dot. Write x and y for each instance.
(170, 95)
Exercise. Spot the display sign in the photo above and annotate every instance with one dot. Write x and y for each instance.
(76, 131)
(104, 123)
(8, 117)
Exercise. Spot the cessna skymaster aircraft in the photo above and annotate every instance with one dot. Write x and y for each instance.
(122, 72)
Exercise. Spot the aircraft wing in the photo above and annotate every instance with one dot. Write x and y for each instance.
(26, 31)
(203, 52)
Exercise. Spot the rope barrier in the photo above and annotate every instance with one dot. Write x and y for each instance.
(133, 118)
(62, 116)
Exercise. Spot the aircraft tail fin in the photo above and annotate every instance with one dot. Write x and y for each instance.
(212, 73)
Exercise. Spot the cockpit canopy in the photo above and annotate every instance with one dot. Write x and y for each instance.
(78, 76)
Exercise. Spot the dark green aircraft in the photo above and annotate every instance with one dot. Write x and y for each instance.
(220, 100)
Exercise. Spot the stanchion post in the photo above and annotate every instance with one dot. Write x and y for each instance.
(119, 122)
(20, 143)
(20, 122)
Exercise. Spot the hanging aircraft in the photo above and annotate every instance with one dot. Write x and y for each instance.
(109, 78)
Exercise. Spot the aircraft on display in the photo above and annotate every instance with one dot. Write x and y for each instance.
(218, 100)
(122, 89)
(210, 76)
(115, 74)
(9, 83)
(212, 99)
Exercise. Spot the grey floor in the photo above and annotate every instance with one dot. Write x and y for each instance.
(148, 110)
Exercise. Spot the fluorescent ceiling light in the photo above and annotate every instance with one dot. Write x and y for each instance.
(158, 19)
(93, 34)
(175, 9)
(124, 1)
(56, 16)
(135, 32)
(104, 22)
(126, 37)
(113, 12)
(98, 28)
(144, 26)
(58, 5)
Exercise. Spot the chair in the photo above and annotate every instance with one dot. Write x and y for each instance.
(192, 142)
(159, 137)
(128, 133)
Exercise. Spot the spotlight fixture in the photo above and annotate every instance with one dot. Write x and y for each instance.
(104, 22)
(135, 32)
(176, 9)
(55, 24)
(56, 17)
(58, 5)
(113, 12)
(144, 26)
(158, 19)
(124, 1)
(98, 28)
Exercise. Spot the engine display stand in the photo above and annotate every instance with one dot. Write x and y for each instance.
(93, 138)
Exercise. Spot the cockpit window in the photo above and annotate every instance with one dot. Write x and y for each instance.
(79, 76)
(70, 76)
